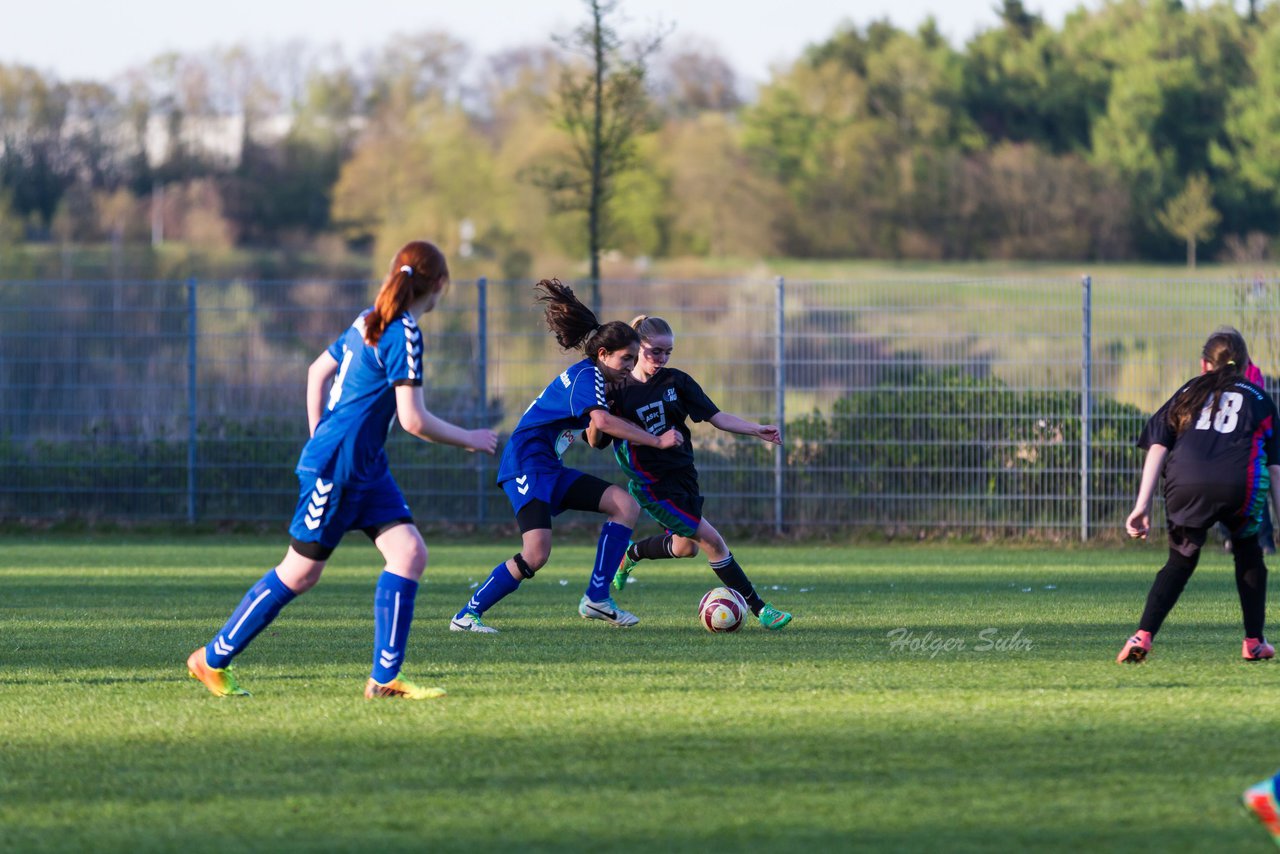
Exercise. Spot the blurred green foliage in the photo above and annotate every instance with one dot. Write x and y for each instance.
(1028, 142)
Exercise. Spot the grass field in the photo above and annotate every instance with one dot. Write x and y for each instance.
(560, 734)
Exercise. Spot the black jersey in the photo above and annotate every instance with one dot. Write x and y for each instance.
(1219, 462)
(667, 400)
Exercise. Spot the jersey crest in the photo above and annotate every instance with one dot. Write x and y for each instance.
(653, 417)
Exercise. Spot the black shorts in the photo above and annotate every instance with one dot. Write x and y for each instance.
(1192, 513)
(583, 494)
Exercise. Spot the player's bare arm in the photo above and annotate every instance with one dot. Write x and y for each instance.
(595, 437)
(412, 413)
(731, 423)
(1139, 522)
(319, 375)
(623, 429)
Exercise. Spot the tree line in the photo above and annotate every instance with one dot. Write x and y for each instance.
(1143, 129)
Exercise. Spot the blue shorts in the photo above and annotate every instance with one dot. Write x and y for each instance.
(327, 510)
(548, 487)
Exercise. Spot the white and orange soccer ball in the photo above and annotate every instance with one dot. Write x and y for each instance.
(722, 610)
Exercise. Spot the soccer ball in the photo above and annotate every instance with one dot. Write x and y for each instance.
(722, 610)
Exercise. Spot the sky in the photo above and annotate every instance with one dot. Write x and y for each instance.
(90, 39)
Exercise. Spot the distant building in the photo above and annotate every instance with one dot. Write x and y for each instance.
(219, 139)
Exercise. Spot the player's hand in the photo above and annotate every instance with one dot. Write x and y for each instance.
(483, 440)
(769, 433)
(670, 439)
(1138, 524)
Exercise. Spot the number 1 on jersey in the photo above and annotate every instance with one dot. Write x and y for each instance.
(335, 393)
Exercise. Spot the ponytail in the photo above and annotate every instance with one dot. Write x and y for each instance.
(417, 269)
(576, 326)
(1228, 357)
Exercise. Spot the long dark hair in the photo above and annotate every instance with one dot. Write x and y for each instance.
(576, 326)
(418, 268)
(1228, 356)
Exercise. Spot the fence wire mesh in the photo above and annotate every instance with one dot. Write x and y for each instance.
(908, 406)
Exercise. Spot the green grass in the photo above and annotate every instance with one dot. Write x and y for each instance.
(560, 734)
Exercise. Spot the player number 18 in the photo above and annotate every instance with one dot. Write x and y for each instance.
(1224, 420)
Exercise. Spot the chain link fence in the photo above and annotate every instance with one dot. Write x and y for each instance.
(910, 406)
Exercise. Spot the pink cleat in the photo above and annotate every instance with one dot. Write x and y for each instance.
(1257, 649)
(1135, 649)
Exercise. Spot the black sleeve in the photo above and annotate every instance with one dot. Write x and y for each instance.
(699, 406)
(1158, 431)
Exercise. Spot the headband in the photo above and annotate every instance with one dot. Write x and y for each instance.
(407, 269)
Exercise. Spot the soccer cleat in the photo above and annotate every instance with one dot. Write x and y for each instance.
(608, 611)
(400, 688)
(1260, 801)
(1135, 649)
(469, 621)
(219, 681)
(1257, 649)
(627, 564)
(773, 619)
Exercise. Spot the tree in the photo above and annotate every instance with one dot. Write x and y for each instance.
(1251, 152)
(602, 107)
(415, 173)
(1022, 85)
(694, 79)
(1191, 215)
(1174, 69)
(33, 167)
(842, 131)
(11, 225)
(718, 205)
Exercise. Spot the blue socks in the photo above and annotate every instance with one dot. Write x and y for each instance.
(614, 539)
(494, 590)
(392, 616)
(256, 611)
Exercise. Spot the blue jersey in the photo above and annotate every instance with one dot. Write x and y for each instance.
(549, 424)
(347, 447)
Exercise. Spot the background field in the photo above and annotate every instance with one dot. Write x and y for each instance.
(564, 735)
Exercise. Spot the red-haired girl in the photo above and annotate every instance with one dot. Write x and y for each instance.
(368, 378)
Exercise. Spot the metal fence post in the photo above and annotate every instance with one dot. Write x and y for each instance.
(1086, 404)
(780, 404)
(482, 386)
(192, 409)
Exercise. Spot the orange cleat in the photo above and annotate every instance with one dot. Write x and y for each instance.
(400, 688)
(219, 681)
(1260, 801)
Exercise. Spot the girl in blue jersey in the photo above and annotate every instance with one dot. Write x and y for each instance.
(1216, 444)
(541, 486)
(356, 390)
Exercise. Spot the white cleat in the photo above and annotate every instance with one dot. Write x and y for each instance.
(469, 621)
(606, 611)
